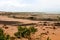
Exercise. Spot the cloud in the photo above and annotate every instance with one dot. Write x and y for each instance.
(19, 5)
(30, 5)
(50, 5)
(12, 3)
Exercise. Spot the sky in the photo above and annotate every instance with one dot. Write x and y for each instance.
(30, 5)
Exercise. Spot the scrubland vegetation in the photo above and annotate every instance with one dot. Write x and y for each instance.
(23, 32)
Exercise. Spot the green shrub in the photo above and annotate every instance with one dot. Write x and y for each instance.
(25, 32)
(3, 36)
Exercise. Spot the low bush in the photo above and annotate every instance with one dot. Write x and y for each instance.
(25, 32)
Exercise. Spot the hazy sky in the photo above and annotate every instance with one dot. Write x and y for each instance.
(30, 5)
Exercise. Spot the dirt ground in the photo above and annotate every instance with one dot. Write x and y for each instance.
(47, 31)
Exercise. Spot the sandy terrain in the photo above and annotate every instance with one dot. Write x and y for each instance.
(53, 34)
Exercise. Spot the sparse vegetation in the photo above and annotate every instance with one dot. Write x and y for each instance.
(3, 36)
(45, 23)
(25, 32)
(32, 18)
(7, 37)
(57, 24)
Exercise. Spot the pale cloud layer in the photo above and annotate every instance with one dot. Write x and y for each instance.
(30, 5)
